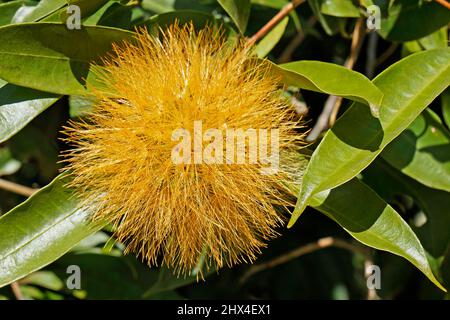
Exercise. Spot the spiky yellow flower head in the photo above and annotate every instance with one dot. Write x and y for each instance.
(214, 203)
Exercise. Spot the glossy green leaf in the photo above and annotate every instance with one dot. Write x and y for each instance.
(329, 78)
(167, 281)
(435, 40)
(80, 106)
(43, 9)
(339, 8)
(198, 18)
(164, 6)
(49, 57)
(370, 220)
(423, 151)
(389, 183)
(112, 14)
(8, 165)
(329, 24)
(267, 43)
(18, 106)
(446, 107)
(239, 11)
(87, 7)
(358, 137)
(159, 6)
(9, 9)
(405, 20)
(41, 230)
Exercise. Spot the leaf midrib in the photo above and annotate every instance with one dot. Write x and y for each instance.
(45, 56)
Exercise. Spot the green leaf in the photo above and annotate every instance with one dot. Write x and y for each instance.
(122, 277)
(9, 9)
(339, 8)
(87, 7)
(164, 6)
(329, 24)
(389, 183)
(112, 14)
(198, 18)
(331, 79)
(80, 106)
(405, 20)
(239, 11)
(370, 220)
(18, 106)
(49, 57)
(446, 107)
(409, 86)
(43, 10)
(423, 151)
(41, 230)
(159, 6)
(45, 279)
(279, 4)
(267, 43)
(167, 281)
(435, 40)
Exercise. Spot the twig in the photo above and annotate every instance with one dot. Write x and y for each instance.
(357, 40)
(371, 55)
(385, 55)
(308, 248)
(16, 291)
(287, 53)
(275, 20)
(444, 3)
(16, 188)
(322, 121)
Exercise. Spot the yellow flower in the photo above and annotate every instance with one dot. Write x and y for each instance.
(211, 204)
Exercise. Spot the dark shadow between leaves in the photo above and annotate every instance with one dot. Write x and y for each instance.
(401, 151)
(358, 215)
(440, 153)
(359, 128)
(12, 94)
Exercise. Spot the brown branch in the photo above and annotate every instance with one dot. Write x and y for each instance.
(15, 288)
(274, 21)
(305, 249)
(385, 55)
(444, 3)
(16, 188)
